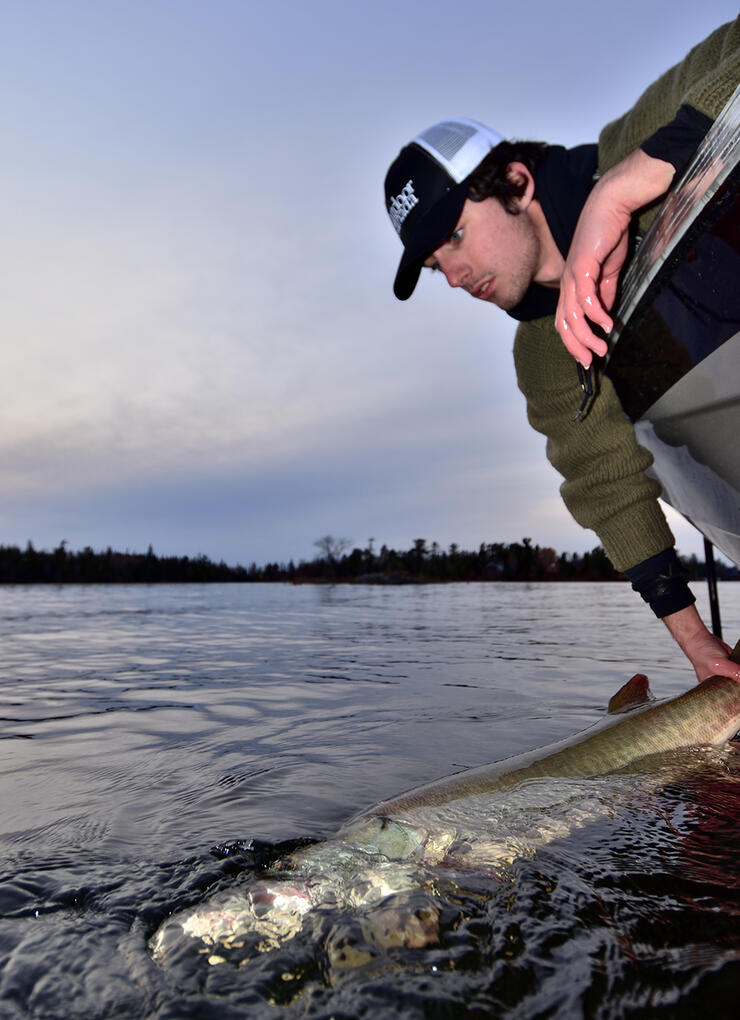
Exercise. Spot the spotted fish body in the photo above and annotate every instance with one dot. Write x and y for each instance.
(706, 715)
(481, 818)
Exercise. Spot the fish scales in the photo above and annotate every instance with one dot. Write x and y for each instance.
(462, 821)
(706, 714)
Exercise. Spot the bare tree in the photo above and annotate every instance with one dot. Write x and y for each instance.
(332, 548)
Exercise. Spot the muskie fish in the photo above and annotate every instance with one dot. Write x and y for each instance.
(480, 819)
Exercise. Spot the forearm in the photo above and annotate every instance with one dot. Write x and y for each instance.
(638, 180)
(685, 626)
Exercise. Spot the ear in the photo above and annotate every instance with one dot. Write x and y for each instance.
(521, 176)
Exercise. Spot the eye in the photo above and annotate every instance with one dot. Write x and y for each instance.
(457, 235)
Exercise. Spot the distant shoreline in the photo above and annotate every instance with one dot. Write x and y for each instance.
(421, 564)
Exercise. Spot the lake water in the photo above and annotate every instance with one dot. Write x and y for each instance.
(145, 727)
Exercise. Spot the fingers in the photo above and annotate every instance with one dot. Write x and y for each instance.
(721, 667)
(578, 336)
(575, 346)
(590, 303)
(578, 303)
(609, 279)
(710, 657)
(588, 285)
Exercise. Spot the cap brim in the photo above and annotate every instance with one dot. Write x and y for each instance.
(406, 278)
(429, 234)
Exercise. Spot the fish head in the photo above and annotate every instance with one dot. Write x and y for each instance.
(399, 839)
(390, 837)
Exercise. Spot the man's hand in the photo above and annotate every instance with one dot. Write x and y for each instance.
(588, 285)
(707, 654)
(597, 252)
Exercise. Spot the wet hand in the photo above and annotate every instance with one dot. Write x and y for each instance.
(711, 657)
(588, 285)
(707, 654)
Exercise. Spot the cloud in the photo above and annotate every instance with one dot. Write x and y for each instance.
(201, 346)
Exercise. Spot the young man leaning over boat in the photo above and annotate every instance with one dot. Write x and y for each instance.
(523, 226)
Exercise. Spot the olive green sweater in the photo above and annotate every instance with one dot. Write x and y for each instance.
(605, 486)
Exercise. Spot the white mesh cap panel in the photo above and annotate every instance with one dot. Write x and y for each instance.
(458, 145)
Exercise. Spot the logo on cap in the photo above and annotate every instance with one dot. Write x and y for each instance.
(402, 204)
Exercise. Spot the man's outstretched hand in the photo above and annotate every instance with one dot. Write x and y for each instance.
(597, 252)
(707, 654)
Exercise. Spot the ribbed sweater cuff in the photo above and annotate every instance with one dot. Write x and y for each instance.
(661, 582)
(677, 142)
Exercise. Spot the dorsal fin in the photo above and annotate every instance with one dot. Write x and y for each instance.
(635, 692)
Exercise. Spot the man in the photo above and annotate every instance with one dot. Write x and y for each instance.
(524, 226)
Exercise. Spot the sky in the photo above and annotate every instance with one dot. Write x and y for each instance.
(201, 349)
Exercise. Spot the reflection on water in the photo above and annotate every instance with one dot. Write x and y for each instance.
(143, 725)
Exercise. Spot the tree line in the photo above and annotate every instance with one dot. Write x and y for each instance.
(336, 562)
(496, 561)
(61, 566)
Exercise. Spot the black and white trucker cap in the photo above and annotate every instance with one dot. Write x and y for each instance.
(426, 187)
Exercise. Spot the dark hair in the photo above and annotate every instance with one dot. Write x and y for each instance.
(489, 179)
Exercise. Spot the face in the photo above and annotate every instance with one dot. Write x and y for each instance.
(492, 254)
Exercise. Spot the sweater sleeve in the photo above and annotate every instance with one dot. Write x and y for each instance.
(704, 81)
(605, 487)
(677, 142)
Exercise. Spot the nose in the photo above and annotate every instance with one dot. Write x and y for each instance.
(456, 272)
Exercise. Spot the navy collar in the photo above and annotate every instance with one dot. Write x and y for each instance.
(562, 181)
